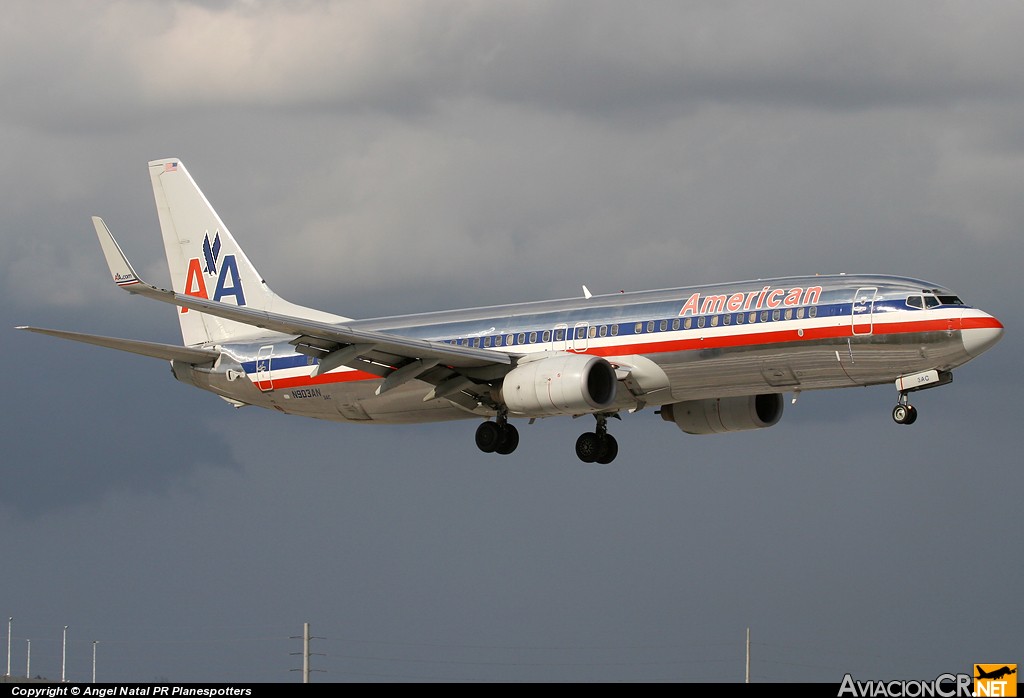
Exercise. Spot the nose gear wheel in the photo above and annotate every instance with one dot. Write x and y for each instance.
(904, 412)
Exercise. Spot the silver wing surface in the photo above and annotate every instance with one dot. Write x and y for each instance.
(397, 359)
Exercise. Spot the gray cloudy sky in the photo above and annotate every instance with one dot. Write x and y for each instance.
(386, 157)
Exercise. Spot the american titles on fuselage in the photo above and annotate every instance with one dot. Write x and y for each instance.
(767, 297)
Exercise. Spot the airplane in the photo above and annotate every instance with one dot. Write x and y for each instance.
(996, 674)
(711, 358)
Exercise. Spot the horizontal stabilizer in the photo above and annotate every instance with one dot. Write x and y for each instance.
(169, 352)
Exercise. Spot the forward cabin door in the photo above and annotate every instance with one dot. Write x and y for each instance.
(862, 311)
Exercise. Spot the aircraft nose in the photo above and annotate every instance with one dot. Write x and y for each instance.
(979, 332)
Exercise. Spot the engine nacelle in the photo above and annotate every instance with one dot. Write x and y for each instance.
(559, 384)
(719, 415)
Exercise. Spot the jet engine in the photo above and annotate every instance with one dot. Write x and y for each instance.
(559, 384)
(719, 415)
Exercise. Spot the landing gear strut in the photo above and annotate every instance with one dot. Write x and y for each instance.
(904, 412)
(497, 437)
(597, 446)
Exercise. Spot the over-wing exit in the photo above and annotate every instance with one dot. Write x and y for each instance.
(712, 358)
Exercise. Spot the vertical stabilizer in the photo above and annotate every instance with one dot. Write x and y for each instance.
(205, 260)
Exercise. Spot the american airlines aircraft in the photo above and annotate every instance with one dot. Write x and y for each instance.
(713, 358)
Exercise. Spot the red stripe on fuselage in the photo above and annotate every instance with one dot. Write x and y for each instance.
(757, 339)
(325, 379)
(751, 339)
(980, 323)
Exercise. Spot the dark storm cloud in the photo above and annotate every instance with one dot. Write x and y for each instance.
(147, 59)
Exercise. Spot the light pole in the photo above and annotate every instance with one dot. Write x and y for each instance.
(28, 660)
(64, 656)
(94, 661)
(10, 620)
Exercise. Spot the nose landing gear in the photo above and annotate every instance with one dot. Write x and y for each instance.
(904, 412)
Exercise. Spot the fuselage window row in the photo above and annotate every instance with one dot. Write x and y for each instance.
(652, 326)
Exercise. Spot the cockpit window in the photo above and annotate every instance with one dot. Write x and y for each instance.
(935, 297)
(915, 302)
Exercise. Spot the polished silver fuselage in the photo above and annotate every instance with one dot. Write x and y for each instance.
(720, 340)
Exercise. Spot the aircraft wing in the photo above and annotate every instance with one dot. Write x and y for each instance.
(170, 352)
(336, 345)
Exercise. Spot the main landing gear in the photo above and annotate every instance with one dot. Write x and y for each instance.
(497, 437)
(597, 446)
(904, 412)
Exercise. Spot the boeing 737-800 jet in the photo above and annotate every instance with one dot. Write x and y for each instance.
(711, 358)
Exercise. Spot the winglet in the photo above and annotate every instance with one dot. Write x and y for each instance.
(120, 268)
